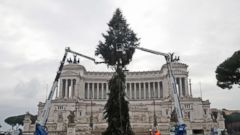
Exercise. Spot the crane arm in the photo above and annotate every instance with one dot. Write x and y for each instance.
(84, 56)
(151, 51)
(44, 114)
(180, 128)
(173, 85)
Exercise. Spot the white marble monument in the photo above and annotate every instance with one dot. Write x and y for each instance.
(81, 91)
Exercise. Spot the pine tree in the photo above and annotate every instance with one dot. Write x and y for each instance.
(228, 72)
(116, 110)
(118, 33)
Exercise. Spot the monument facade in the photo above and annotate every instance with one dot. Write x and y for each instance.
(82, 94)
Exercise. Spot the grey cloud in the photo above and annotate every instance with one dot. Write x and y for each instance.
(202, 33)
(28, 89)
(219, 98)
(73, 21)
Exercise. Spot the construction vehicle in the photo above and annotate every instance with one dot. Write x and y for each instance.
(180, 127)
(42, 120)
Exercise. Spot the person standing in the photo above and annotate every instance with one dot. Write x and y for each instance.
(157, 132)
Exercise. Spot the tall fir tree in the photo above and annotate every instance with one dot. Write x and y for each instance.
(116, 110)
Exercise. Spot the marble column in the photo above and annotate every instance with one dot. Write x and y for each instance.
(155, 85)
(135, 89)
(89, 94)
(101, 92)
(72, 88)
(69, 90)
(107, 90)
(57, 92)
(154, 90)
(85, 90)
(130, 89)
(78, 92)
(75, 88)
(79, 88)
(183, 86)
(190, 88)
(187, 87)
(150, 91)
(161, 89)
(61, 89)
(180, 87)
(91, 87)
(97, 91)
(104, 90)
(158, 89)
(144, 91)
(94, 84)
(66, 88)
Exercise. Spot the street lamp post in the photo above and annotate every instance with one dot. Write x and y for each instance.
(154, 115)
(154, 111)
(76, 109)
(91, 117)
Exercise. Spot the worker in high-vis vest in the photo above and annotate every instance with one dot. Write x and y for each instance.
(154, 132)
(157, 133)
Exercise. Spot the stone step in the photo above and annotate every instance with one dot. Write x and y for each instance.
(136, 133)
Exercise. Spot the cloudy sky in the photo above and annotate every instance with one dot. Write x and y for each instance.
(33, 35)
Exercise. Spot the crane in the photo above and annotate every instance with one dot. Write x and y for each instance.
(180, 128)
(41, 123)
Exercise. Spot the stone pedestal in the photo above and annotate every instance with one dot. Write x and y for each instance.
(60, 126)
(27, 122)
(71, 129)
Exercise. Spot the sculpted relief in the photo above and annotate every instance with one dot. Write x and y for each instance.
(71, 117)
(60, 117)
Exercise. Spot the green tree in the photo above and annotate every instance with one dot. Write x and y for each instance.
(118, 34)
(116, 110)
(228, 72)
(14, 120)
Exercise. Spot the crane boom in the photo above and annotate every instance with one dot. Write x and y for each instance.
(151, 51)
(44, 114)
(175, 95)
(173, 87)
(82, 55)
(87, 57)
